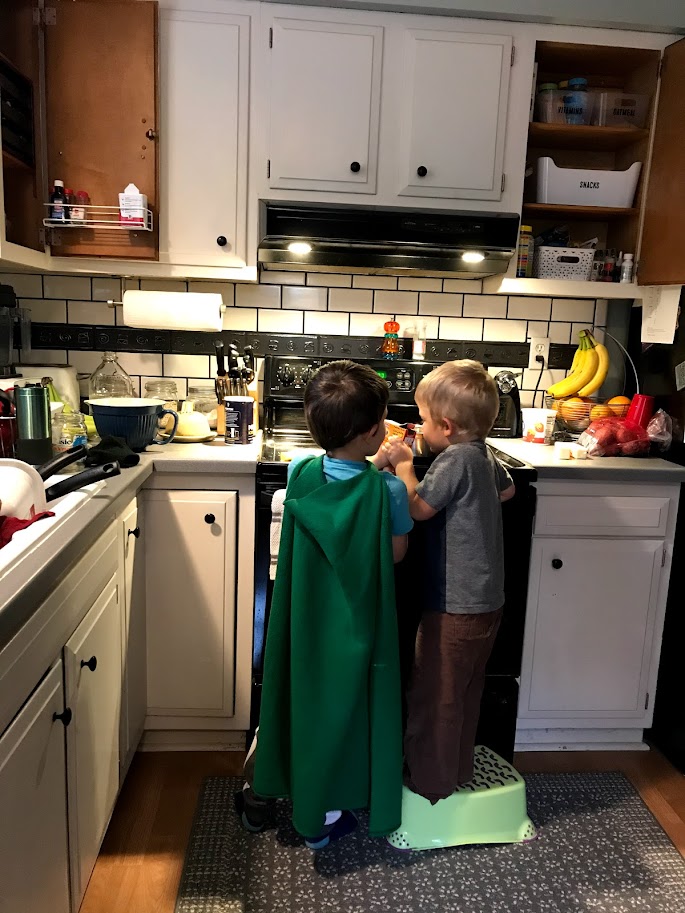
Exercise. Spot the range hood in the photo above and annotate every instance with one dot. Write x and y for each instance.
(385, 241)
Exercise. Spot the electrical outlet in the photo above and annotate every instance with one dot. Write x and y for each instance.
(539, 345)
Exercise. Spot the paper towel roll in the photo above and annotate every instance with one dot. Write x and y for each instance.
(173, 310)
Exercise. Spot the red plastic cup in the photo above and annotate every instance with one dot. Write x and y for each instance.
(641, 410)
(8, 436)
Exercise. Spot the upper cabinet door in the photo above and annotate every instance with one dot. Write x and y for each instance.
(101, 101)
(325, 99)
(454, 122)
(661, 261)
(205, 67)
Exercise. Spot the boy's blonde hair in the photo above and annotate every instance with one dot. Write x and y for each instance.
(463, 392)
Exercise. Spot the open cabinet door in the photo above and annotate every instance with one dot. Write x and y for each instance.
(661, 254)
(101, 104)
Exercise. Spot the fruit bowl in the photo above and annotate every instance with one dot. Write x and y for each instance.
(574, 413)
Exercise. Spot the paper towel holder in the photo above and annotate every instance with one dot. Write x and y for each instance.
(111, 303)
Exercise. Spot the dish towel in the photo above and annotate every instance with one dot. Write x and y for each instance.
(277, 503)
(112, 449)
(11, 525)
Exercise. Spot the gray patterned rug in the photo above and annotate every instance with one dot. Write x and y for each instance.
(599, 850)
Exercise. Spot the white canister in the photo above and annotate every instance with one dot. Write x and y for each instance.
(538, 425)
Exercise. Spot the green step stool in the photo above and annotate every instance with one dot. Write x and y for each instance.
(491, 808)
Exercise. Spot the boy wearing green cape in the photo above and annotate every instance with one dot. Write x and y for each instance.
(330, 729)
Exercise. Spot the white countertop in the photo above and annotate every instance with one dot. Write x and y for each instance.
(213, 457)
(610, 469)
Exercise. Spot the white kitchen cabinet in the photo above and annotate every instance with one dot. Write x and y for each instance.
(454, 111)
(92, 673)
(34, 854)
(190, 549)
(205, 93)
(134, 685)
(593, 605)
(324, 91)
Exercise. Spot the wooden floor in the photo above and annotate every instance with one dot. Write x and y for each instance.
(140, 864)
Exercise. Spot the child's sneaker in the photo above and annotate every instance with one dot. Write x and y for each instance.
(254, 813)
(346, 824)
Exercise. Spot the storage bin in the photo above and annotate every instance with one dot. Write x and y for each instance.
(586, 186)
(620, 109)
(563, 263)
(564, 107)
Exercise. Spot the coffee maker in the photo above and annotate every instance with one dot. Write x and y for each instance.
(12, 317)
(509, 420)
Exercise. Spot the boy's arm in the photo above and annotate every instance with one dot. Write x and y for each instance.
(508, 493)
(403, 460)
(399, 547)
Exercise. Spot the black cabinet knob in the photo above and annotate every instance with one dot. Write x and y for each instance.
(91, 663)
(64, 717)
(557, 563)
(210, 518)
(355, 167)
(422, 171)
(134, 532)
(222, 241)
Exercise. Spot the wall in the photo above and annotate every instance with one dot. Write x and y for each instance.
(657, 16)
(315, 304)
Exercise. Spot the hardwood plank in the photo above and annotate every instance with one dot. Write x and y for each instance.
(139, 867)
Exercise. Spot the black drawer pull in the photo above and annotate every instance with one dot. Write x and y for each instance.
(64, 717)
(557, 563)
(355, 167)
(210, 518)
(134, 532)
(91, 663)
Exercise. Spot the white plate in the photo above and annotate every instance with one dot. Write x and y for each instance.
(191, 439)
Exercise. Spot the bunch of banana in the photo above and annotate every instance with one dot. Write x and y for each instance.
(588, 370)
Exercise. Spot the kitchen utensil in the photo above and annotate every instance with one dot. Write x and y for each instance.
(233, 372)
(34, 439)
(249, 362)
(135, 420)
(22, 490)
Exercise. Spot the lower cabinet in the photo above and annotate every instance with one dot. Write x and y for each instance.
(34, 855)
(190, 566)
(593, 608)
(92, 676)
(133, 676)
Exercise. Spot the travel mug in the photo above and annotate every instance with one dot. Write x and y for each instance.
(34, 437)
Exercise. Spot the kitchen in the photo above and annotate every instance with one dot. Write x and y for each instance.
(253, 62)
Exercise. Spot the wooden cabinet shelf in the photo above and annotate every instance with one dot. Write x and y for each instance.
(585, 213)
(11, 162)
(572, 136)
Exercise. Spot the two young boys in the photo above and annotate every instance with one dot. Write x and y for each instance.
(330, 722)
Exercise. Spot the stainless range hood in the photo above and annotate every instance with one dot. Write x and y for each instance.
(385, 241)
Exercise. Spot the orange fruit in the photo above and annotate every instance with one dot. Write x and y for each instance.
(619, 404)
(600, 412)
(572, 409)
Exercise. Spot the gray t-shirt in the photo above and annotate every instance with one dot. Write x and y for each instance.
(464, 548)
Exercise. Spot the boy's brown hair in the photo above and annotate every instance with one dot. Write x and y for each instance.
(343, 400)
(463, 392)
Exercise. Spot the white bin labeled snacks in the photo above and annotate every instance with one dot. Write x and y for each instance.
(563, 263)
(585, 186)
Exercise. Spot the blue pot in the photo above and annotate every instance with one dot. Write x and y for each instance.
(134, 420)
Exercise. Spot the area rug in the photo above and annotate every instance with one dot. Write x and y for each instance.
(599, 849)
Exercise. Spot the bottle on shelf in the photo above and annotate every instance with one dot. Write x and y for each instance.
(617, 267)
(597, 266)
(609, 264)
(58, 209)
(524, 264)
(627, 268)
(69, 200)
(78, 207)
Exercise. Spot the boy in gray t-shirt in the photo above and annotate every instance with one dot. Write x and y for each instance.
(463, 589)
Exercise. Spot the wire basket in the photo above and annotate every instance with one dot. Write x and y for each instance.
(575, 413)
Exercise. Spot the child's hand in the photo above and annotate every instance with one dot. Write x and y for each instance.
(380, 459)
(398, 452)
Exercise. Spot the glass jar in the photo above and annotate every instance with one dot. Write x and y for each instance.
(73, 431)
(109, 379)
(167, 392)
(203, 398)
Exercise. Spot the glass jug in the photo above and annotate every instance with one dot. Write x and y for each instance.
(109, 379)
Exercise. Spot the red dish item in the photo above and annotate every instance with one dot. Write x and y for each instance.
(641, 410)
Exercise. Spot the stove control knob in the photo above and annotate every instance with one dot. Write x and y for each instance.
(306, 374)
(285, 375)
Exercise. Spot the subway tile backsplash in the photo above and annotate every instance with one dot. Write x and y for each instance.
(318, 304)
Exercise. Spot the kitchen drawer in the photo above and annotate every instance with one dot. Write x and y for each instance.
(609, 515)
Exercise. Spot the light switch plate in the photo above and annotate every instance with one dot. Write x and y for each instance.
(539, 345)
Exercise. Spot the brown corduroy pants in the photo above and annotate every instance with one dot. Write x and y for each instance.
(444, 700)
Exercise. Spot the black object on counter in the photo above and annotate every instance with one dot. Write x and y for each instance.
(112, 449)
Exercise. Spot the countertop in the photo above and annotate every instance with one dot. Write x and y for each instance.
(610, 469)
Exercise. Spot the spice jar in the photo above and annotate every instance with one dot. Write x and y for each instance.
(78, 207)
(166, 391)
(72, 433)
(203, 398)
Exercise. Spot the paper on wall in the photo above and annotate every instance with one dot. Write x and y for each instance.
(660, 313)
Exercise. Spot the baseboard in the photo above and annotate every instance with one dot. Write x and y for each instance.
(193, 740)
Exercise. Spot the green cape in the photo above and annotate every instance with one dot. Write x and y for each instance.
(330, 730)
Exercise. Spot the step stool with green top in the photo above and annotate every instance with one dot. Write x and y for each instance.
(491, 808)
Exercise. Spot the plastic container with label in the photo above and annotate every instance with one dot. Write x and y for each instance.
(620, 109)
(586, 186)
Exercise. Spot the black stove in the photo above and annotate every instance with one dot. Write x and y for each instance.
(285, 435)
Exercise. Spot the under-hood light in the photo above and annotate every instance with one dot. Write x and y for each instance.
(472, 256)
(300, 247)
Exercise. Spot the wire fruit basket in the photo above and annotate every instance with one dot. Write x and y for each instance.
(575, 413)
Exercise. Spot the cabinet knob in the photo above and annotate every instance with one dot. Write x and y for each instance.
(422, 171)
(210, 518)
(222, 240)
(557, 563)
(64, 717)
(151, 134)
(355, 167)
(134, 532)
(91, 663)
